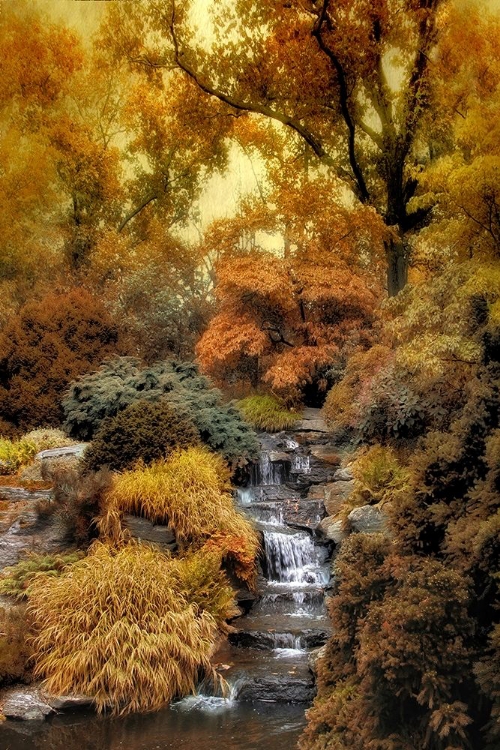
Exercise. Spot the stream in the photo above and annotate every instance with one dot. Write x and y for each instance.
(265, 660)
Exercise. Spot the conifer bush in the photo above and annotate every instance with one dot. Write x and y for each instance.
(46, 346)
(267, 413)
(122, 381)
(121, 627)
(143, 431)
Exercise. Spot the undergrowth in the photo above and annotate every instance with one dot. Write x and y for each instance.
(191, 492)
(124, 628)
(15, 580)
(267, 413)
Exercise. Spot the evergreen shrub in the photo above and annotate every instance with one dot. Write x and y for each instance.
(122, 381)
(143, 431)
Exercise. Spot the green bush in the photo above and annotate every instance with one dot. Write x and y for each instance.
(267, 413)
(122, 381)
(15, 580)
(142, 431)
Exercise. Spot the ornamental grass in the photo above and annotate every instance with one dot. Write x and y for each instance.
(191, 492)
(267, 413)
(128, 626)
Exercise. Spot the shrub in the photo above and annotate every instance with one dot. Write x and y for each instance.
(44, 347)
(122, 381)
(15, 581)
(78, 500)
(120, 628)
(267, 413)
(16, 453)
(142, 431)
(191, 492)
(46, 438)
(15, 651)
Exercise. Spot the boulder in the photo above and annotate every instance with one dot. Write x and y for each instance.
(25, 704)
(343, 475)
(327, 453)
(314, 656)
(336, 494)
(368, 519)
(146, 531)
(331, 527)
(55, 454)
(275, 456)
(67, 702)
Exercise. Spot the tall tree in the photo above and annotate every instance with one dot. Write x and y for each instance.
(349, 79)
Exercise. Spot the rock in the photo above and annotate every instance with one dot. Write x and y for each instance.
(277, 689)
(275, 456)
(70, 451)
(331, 527)
(368, 519)
(312, 425)
(336, 494)
(326, 453)
(26, 704)
(317, 492)
(141, 528)
(311, 438)
(67, 702)
(27, 534)
(343, 475)
(314, 656)
(266, 640)
(18, 494)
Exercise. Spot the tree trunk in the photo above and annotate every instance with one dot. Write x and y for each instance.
(397, 265)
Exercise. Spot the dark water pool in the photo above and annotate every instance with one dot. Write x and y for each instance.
(240, 726)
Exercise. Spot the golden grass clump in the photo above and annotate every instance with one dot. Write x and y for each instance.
(191, 492)
(267, 413)
(127, 627)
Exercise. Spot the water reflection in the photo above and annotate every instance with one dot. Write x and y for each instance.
(242, 726)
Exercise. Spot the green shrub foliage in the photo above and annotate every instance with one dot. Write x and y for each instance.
(46, 346)
(122, 381)
(142, 431)
(267, 413)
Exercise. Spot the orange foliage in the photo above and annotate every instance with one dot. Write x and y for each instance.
(46, 346)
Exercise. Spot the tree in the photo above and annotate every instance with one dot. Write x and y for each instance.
(46, 346)
(349, 80)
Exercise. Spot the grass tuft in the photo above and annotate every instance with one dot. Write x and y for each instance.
(267, 413)
(191, 492)
(15, 581)
(129, 627)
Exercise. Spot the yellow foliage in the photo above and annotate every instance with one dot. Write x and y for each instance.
(191, 492)
(129, 627)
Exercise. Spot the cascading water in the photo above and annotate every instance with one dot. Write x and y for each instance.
(289, 617)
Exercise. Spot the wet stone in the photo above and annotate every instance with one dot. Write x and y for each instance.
(25, 704)
(146, 531)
